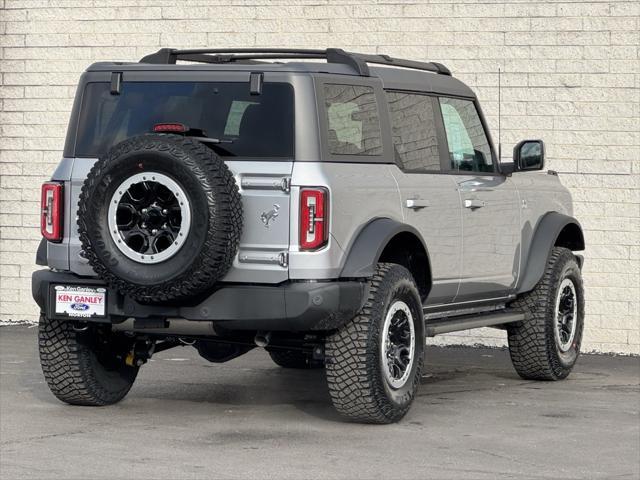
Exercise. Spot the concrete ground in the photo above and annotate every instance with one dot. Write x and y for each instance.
(186, 418)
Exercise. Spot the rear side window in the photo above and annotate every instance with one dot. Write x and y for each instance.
(414, 131)
(353, 120)
(468, 144)
(250, 125)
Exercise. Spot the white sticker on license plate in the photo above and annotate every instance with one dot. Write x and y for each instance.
(77, 301)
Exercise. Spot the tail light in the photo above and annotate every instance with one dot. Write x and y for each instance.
(314, 218)
(52, 207)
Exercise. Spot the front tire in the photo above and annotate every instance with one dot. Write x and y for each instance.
(374, 362)
(84, 367)
(546, 345)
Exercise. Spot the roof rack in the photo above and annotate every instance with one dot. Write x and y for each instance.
(358, 61)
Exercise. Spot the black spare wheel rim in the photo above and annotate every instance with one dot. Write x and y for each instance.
(149, 217)
(160, 217)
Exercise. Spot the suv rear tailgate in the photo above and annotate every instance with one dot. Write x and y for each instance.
(264, 244)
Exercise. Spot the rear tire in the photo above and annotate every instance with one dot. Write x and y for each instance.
(375, 361)
(294, 359)
(80, 369)
(546, 345)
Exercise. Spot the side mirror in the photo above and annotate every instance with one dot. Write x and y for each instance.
(507, 168)
(528, 155)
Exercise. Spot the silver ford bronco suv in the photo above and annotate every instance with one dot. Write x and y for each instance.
(330, 211)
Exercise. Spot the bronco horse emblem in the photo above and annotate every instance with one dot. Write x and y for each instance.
(269, 216)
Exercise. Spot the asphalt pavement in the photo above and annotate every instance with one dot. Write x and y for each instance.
(187, 418)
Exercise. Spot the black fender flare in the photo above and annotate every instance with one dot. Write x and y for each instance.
(366, 249)
(543, 240)
(41, 254)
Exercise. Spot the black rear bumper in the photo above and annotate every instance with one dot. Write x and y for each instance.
(292, 306)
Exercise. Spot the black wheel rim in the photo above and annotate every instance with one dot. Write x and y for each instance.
(398, 345)
(566, 314)
(149, 216)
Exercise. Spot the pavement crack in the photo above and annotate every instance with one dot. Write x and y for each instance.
(504, 457)
(42, 437)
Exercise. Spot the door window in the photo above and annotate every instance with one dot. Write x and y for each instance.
(352, 116)
(414, 132)
(469, 149)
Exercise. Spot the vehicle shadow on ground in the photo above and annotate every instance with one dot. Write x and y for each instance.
(252, 380)
(239, 387)
(233, 386)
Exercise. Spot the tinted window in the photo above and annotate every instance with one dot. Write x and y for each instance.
(414, 132)
(352, 116)
(468, 145)
(251, 125)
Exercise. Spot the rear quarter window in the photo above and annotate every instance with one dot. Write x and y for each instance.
(353, 120)
(251, 125)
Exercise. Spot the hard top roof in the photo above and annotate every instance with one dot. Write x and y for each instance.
(395, 73)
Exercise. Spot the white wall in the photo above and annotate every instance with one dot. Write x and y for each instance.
(571, 76)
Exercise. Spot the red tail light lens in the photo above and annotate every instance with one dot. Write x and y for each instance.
(52, 205)
(314, 218)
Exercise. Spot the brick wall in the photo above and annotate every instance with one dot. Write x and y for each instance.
(571, 77)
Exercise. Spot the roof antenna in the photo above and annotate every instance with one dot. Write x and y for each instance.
(499, 130)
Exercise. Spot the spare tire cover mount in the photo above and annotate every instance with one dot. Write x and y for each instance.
(160, 217)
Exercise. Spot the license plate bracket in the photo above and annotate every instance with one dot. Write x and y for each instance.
(77, 301)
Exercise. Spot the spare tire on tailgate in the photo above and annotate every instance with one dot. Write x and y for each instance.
(160, 217)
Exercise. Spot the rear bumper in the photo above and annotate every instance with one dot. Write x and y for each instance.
(291, 306)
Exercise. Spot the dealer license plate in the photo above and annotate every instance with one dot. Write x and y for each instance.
(80, 301)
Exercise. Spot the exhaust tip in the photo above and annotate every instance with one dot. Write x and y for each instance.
(262, 339)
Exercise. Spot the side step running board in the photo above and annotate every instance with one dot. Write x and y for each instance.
(466, 322)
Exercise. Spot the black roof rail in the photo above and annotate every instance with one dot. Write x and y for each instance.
(358, 61)
(380, 59)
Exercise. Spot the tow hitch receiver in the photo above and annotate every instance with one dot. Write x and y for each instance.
(143, 350)
(140, 353)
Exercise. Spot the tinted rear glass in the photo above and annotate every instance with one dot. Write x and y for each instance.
(251, 125)
(353, 120)
(414, 131)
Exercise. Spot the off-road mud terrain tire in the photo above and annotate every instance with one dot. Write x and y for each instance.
(215, 203)
(354, 368)
(294, 359)
(73, 370)
(534, 350)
